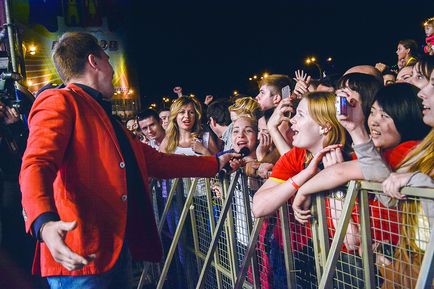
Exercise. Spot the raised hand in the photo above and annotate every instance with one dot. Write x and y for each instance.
(264, 145)
(208, 99)
(300, 75)
(381, 66)
(302, 85)
(313, 165)
(333, 157)
(281, 113)
(178, 90)
(355, 117)
(53, 234)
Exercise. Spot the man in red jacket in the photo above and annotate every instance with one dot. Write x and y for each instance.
(84, 177)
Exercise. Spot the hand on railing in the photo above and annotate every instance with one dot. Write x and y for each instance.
(217, 190)
(393, 184)
(301, 205)
(252, 168)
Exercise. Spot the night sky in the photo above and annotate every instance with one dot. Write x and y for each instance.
(213, 47)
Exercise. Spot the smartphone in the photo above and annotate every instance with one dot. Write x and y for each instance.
(341, 105)
(286, 92)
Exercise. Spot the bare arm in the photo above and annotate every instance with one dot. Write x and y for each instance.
(279, 141)
(163, 146)
(332, 177)
(272, 195)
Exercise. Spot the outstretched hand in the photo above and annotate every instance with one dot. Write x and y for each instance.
(53, 234)
(232, 158)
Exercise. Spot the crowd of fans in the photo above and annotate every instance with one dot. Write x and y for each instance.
(307, 135)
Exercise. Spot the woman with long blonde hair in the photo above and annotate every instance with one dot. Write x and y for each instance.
(184, 133)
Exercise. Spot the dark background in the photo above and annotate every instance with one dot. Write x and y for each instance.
(213, 47)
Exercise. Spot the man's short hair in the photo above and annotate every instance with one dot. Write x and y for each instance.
(366, 69)
(71, 51)
(219, 111)
(147, 113)
(276, 82)
(164, 109)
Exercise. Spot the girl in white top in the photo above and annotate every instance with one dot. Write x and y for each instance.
(184, 133)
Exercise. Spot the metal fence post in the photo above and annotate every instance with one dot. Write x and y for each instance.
(287, 252)
(330, 266)
(225, 209)
(177, 235)
(320, 234)
(365, 231)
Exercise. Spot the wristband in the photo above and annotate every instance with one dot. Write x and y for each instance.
(294, 184)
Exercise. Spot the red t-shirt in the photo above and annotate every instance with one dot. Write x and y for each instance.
(289, 165)
(384, 221)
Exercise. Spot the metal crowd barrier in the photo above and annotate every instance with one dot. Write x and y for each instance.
(357, 238)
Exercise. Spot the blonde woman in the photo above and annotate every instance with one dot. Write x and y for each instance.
(242, 106)
(184, 133)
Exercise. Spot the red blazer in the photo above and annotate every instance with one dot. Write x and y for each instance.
(73, 166)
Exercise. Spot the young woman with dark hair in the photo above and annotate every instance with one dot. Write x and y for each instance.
(422, 71)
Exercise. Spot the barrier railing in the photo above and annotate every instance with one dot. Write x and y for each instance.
(356, 239)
